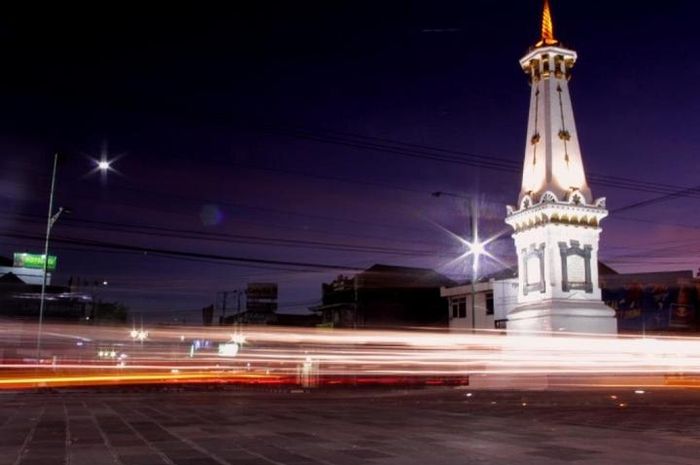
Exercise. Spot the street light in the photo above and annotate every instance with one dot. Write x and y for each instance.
(51, 219)
(476, 247)
(103, 166)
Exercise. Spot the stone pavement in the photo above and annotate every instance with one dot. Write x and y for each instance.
(425, 426)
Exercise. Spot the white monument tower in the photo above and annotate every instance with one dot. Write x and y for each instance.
(557, 220)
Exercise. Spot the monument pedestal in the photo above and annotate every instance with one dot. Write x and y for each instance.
(557, 315)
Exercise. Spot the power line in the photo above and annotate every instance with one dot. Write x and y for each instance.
(421, 151)
(180, 253)
(158, 231)
(464, 158)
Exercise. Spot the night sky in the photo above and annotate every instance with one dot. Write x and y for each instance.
(314, 133)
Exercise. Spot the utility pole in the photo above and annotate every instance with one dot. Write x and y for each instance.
(50, 220)
(224, 303)
(223, 308)
(475, 259)
(476, 246)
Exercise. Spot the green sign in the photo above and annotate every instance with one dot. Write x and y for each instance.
(36, 261)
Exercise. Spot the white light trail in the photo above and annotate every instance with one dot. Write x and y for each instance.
(270, 351)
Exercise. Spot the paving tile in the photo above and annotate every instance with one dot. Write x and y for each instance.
(91, 457)
(141, 459)
(197, 461)
(125, 440)
(365, 453)
(256, 461)
(42, 461)
(8, 455)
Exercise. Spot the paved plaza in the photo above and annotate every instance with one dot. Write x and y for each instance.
(344, 427)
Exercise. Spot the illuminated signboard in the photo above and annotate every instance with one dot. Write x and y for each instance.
(36, 261)
(228, 350)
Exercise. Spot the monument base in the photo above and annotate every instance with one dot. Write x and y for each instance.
(556, 315)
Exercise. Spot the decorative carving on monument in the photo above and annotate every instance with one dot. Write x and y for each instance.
(576, 266)
(533, 268)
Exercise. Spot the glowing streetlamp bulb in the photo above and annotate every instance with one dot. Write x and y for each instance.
(103, 165)
(477, 248)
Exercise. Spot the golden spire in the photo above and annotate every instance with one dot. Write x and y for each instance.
(547, 27)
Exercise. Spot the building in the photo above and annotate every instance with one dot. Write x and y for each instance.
(20, 294)
(667, 301)
(384, 296)
(494, 297)
(21, 300)
(655, 302)
(260, 305)
(304, 320)
(556, 221)
(27, 268)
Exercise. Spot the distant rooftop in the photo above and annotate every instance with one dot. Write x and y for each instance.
(381, 275)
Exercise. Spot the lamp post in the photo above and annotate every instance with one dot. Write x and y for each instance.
(51, 219)
(476, 247)
(103, 166)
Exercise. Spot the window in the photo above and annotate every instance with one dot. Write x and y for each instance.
(459, 307)
(489, 303)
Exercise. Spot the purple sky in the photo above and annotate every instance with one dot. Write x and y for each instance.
(282, 133)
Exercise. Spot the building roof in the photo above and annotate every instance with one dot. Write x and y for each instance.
(390, 276)
(11, 278)
(653, 278)
(604, 269)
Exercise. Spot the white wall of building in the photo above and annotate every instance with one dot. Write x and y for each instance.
(504, 293)
(28, 275)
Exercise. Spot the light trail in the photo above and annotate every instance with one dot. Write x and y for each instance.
(78, 355)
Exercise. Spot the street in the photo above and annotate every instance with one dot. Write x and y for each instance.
(365, 426)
